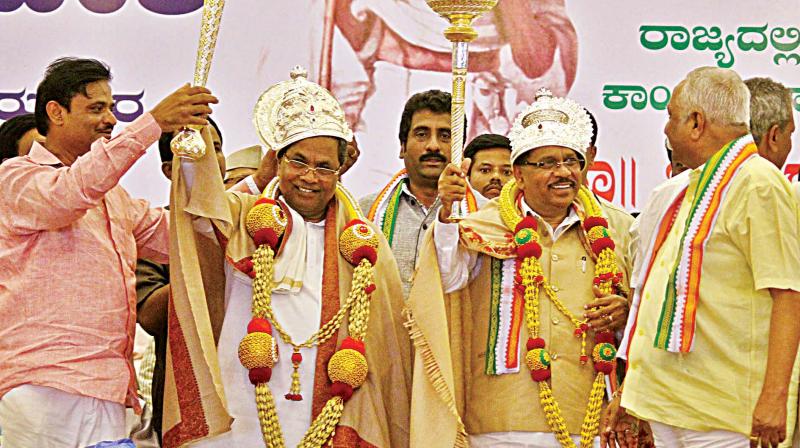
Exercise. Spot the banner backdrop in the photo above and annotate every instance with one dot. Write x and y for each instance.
(620, 59)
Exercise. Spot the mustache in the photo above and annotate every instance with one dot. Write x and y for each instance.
(432, 156)
(106, 129)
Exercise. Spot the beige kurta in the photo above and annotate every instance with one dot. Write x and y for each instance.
(195, 404)
(453, 392)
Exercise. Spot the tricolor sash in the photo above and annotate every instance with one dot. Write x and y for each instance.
(676, 323)
(505, 319)
(384, 210)
(657, 239)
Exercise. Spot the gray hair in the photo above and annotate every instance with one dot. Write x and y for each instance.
(719, 94)
(770, 104)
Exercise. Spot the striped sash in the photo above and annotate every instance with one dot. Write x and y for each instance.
(676, 323)
(384, 210)
(505, 319)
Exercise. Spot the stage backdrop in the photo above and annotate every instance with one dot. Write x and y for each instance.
(618, 58)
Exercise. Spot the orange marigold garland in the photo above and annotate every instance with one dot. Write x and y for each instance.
(258, 350)
(531, 281)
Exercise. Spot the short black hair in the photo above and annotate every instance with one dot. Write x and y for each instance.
(433, 100)
(12, 131)
(594, 128)
(486, 141)
(63, 79)
(164, 148)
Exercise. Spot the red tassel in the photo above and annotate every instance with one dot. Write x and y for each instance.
(594, 221)
(528, 222)
(352, 344)
(535, 343)
(259, 325)
(266, 236)
(602, 243)
(532, 249)
(365, 252)
(540, 374)
(604, 336)
(260, 375)
(343, 390)
(604, 367)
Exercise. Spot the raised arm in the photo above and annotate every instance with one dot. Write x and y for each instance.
(455, 262)
(44, 197)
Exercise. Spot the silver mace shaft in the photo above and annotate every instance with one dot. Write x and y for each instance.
(460, 14)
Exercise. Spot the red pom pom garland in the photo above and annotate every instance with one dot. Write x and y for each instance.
(531, 283)
(347, 368)
(266, 223)
(359, 242)
(260, 325)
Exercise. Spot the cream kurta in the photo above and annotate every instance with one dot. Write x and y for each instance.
(510, 402)
(753, 246)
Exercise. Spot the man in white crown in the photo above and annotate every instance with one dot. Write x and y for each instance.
(531, 289)
(292, 345)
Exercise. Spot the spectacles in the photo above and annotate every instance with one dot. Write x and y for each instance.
(550, 164)
(303, 168)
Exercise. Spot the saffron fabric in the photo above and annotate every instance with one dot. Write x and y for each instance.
(69, 239)
(753, 246)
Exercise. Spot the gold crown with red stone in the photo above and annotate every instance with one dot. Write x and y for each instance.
(551, 121)
(292, 110)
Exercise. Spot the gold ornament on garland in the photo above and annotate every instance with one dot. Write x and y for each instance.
(347, 368)
(533, 282)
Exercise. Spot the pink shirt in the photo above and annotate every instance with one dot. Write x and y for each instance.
(69, 239)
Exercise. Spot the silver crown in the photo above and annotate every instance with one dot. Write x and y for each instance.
(292, 110)
(551, 121)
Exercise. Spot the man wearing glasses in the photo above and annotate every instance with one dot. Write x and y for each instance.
(507, 302)
(252, 350)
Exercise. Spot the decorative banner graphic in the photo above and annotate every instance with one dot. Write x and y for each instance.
(747, 38)
(620, 61)
(127, 107)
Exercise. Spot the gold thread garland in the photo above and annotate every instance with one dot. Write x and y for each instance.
(348, 367)
(531, 278)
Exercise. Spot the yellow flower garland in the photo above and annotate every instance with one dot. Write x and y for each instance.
(348, 367)
(607, 278)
